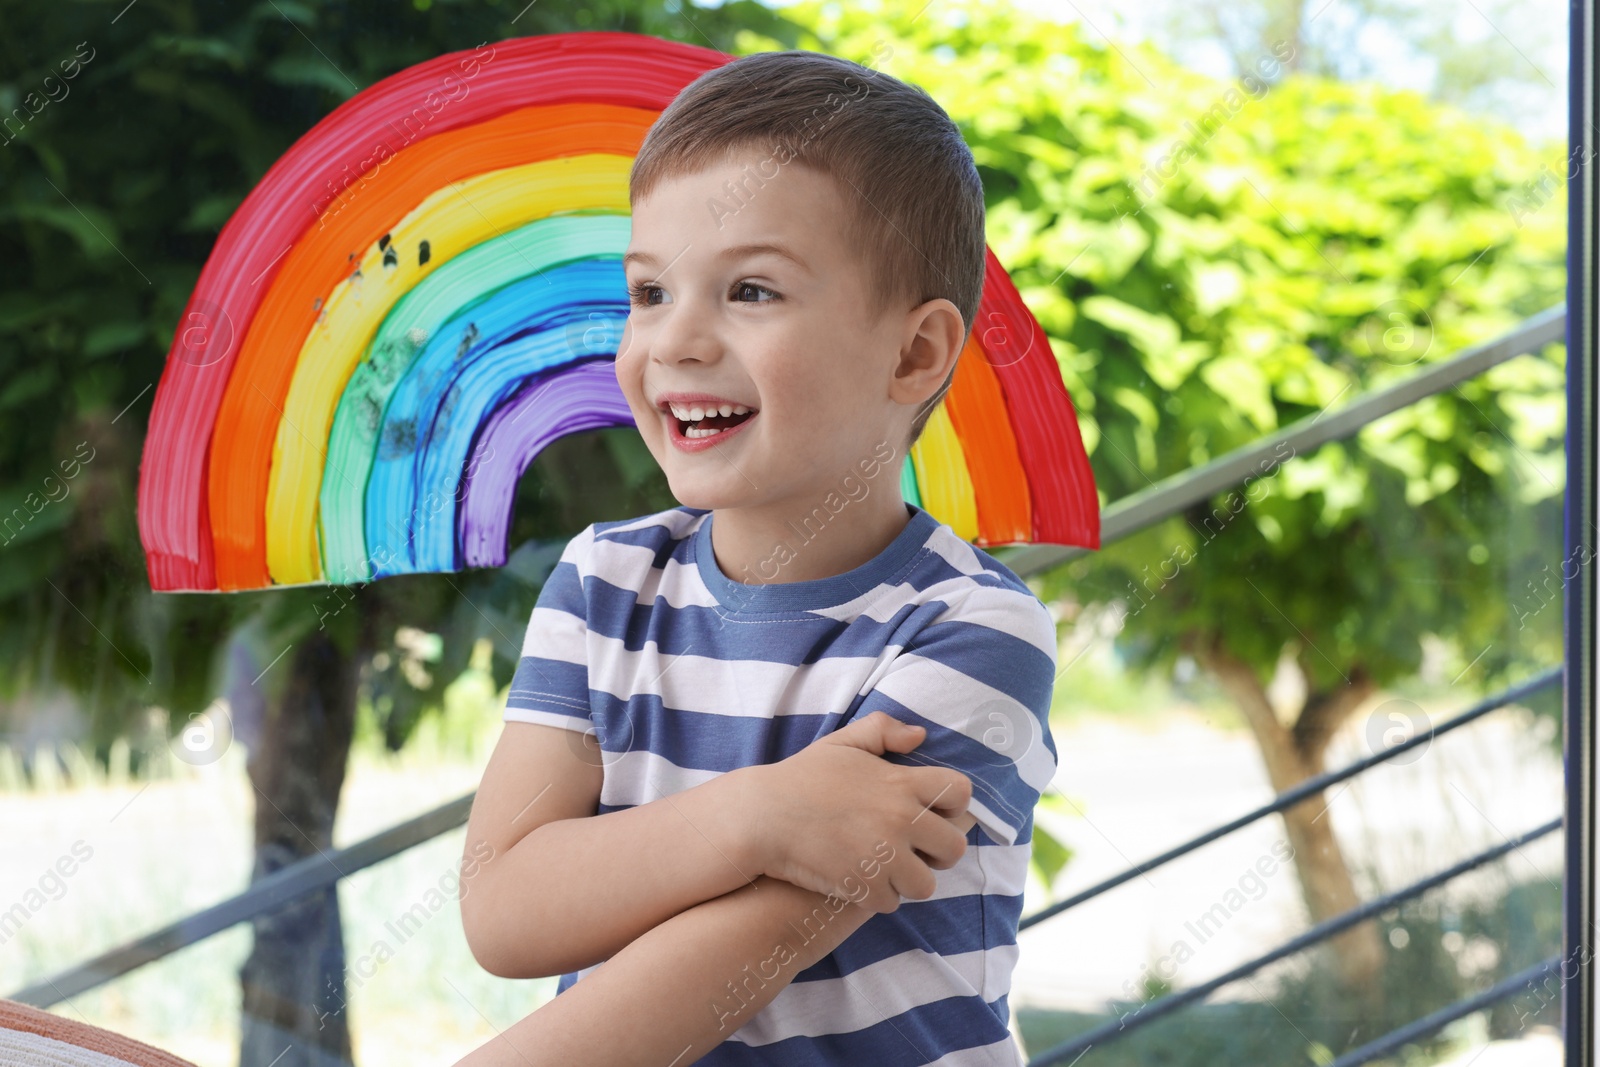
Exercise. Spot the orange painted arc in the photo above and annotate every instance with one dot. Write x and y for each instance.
(978, 412)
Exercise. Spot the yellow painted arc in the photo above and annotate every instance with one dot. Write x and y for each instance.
(452, 220)
(942, 478)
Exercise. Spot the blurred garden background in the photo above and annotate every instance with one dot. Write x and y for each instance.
(1228, 218)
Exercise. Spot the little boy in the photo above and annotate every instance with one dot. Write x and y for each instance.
(746, 732)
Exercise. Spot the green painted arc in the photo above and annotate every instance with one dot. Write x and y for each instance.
(908, 483)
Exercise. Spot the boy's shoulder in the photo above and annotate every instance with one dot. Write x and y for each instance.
(976, 587)
(951, 562)
(973, 562)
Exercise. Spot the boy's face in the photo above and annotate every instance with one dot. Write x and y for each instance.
(717, 312)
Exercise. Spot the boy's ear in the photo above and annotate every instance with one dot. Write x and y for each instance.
(932, 340)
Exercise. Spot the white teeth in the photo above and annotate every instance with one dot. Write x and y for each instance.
(697, 412)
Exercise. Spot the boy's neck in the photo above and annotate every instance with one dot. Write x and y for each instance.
(801, 542)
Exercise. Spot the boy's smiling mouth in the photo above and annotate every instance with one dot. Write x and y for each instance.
(698, 420)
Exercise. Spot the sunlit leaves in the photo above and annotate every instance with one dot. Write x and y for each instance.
(1212, 267)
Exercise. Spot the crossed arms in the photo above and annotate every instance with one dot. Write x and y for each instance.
(704, 904)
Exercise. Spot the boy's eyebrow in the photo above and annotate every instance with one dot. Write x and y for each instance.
(732, 252)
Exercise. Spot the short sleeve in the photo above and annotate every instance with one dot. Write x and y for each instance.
(551, 683)
(978, 679)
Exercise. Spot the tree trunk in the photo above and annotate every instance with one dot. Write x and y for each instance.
(1291, 755)
(293, 981)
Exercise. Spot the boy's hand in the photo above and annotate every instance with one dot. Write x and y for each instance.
(837, 818)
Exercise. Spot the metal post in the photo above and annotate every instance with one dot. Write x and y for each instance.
(1578, 913)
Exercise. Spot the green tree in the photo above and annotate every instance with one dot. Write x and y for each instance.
(1213, 261)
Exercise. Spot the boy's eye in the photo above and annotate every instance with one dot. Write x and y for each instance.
(742, 288)
(640, 293)
(645, 294)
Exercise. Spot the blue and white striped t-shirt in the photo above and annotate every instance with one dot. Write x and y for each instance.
(684, 673)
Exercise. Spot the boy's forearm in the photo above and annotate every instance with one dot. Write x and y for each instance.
(575, 891)
(685, 986)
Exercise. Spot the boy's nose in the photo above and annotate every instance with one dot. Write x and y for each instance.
(681, 338)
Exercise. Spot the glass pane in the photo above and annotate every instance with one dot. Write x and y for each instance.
(1226, 221)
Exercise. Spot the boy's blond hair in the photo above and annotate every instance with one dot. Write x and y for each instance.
(900, 163)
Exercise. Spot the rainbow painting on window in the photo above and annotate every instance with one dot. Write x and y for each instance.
(427, 289)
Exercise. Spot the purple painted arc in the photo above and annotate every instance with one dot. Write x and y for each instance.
(580, 396)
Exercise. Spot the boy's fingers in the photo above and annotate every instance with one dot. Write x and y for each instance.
(963, 821)
(902, 737)
(942, 842)
(880, 732)
(944, 790)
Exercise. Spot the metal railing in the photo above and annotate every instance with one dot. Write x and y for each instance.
(1121, 519)
(1069, 1050)
(1308, 788)
(1149, 1013)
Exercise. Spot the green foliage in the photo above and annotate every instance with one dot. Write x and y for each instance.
(1305, 243)
(1050, 855)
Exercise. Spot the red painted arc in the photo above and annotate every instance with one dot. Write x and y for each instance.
(1066, 506)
